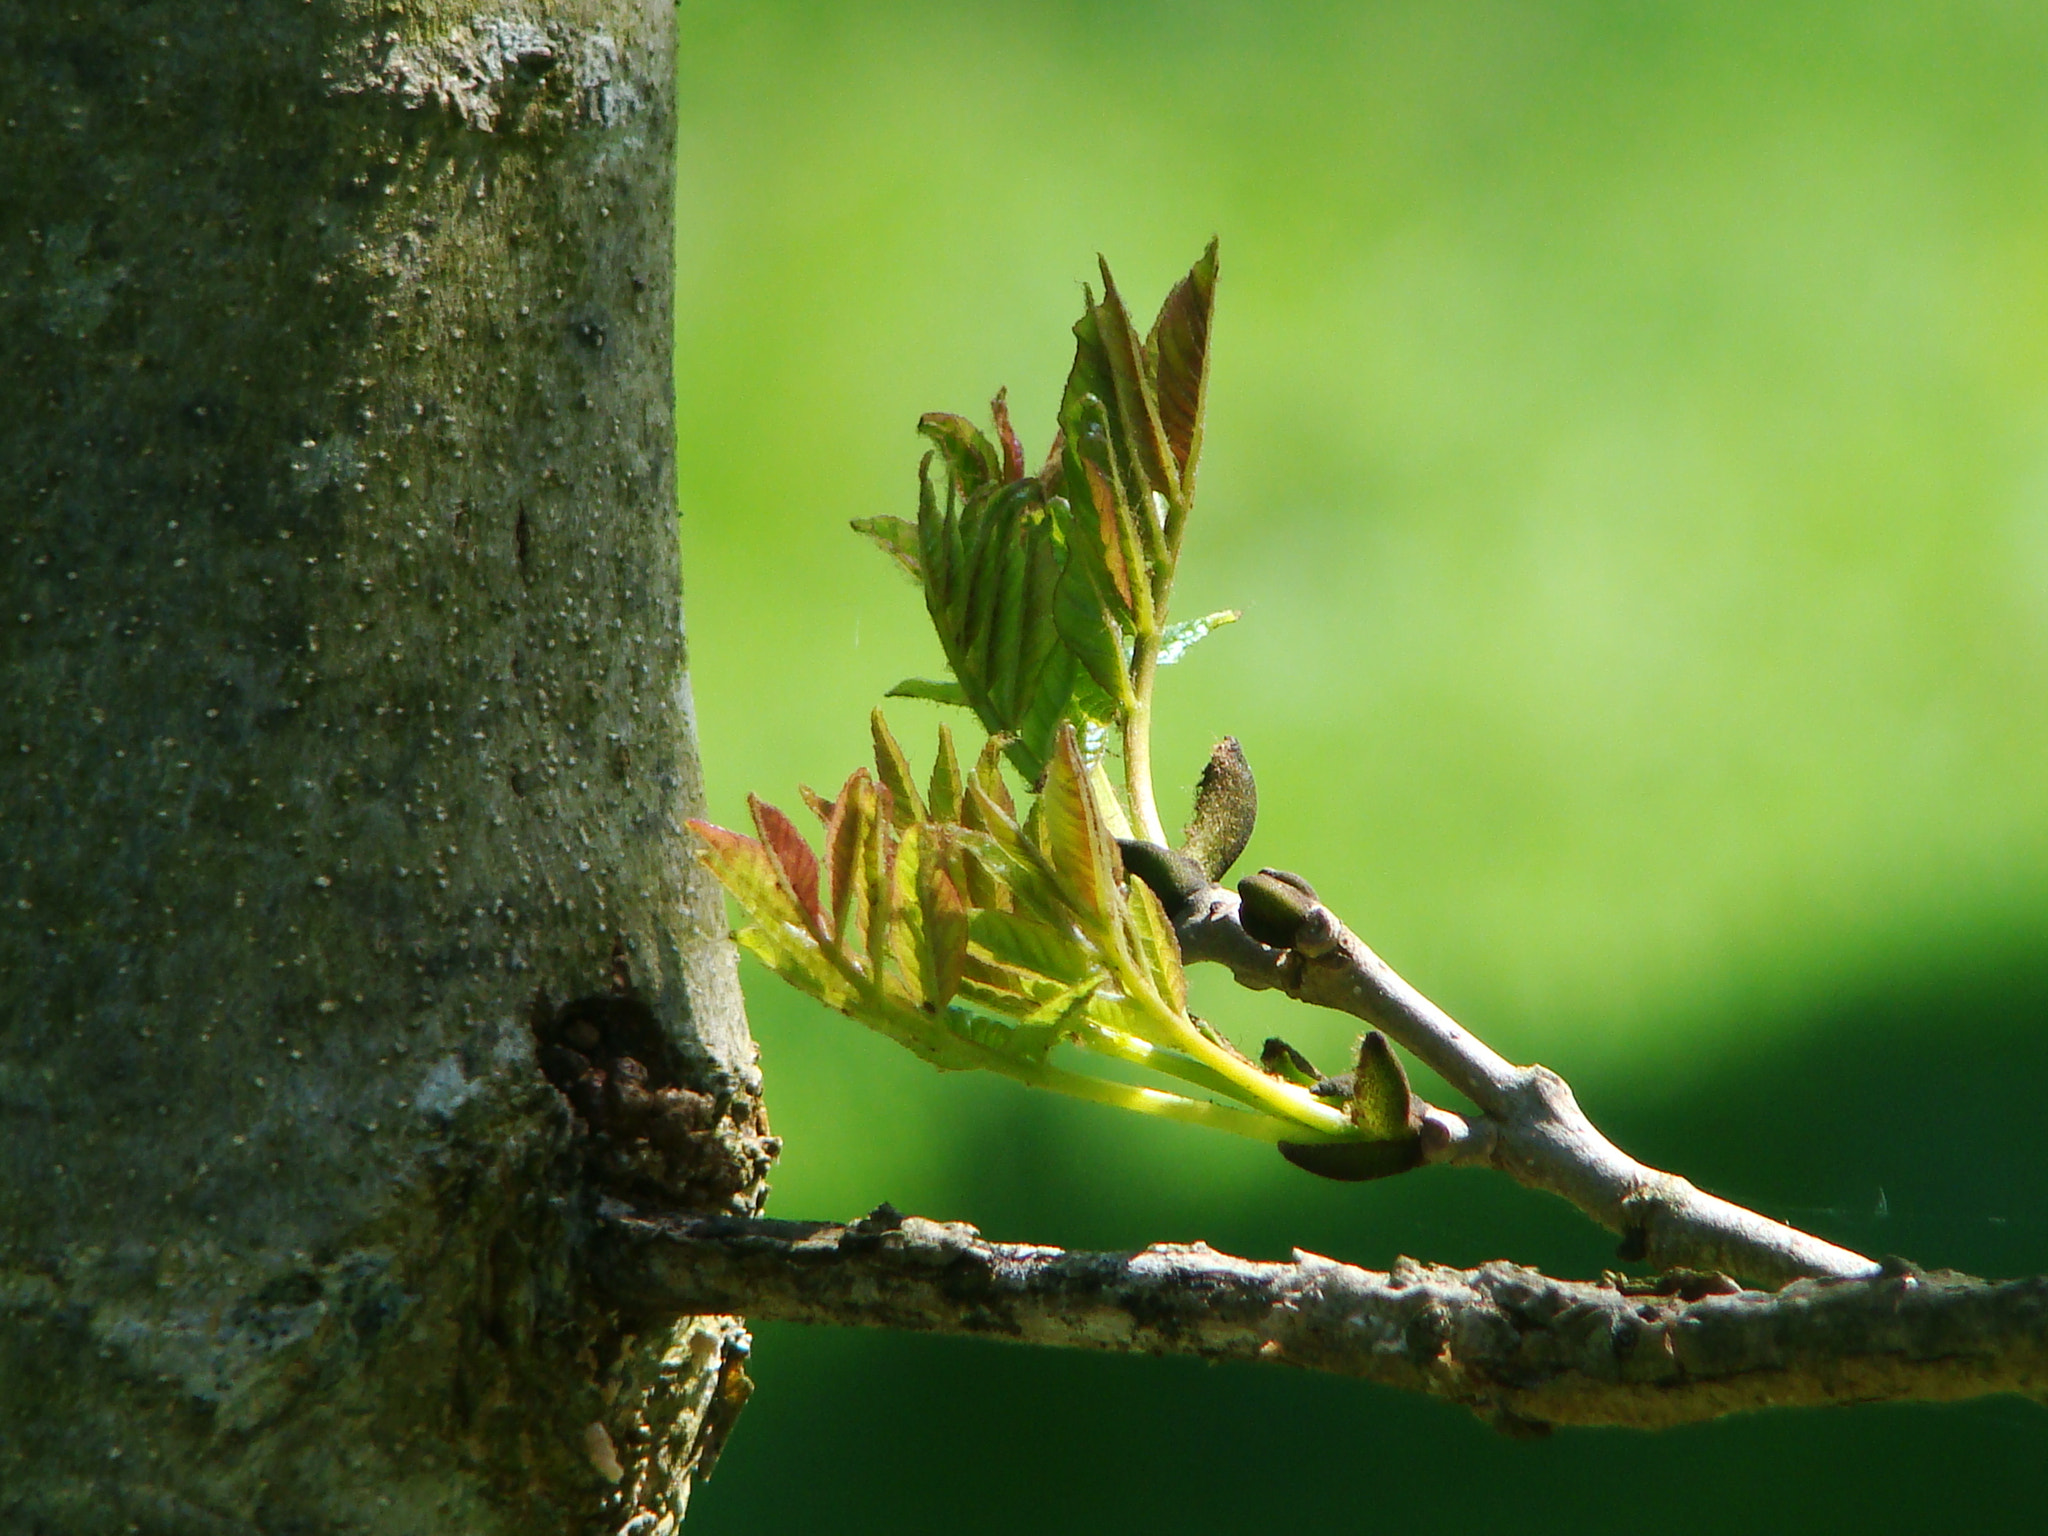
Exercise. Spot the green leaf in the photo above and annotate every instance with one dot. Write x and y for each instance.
(936, 690)
(988, 778)
(944, 947)
(971, 459)
(906, 913)
(792, 860)
(1137, 410)
(1013, 451)
(1030, 945)
(745, 869)
(946, 784)
(898, 538)
(1064, 1011)
(1178, 354)
(849, 835)
(992, 571)
(1083, 612)
(1109, 541)
(802, 965)
(1153, 945)
(906, 806)
(1176, 640)
(1076, 841)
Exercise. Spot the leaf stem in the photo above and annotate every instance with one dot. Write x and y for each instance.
(1138, 737)
(1167, 1106)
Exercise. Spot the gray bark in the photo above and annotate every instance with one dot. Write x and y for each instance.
(1524, 1351)
(347, 740)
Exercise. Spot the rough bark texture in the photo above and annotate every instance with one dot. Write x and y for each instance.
(348, 740)
(1515, 1346)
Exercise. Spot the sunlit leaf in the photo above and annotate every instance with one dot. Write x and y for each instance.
(1076, 840)
(944, 799)
(1153, 945)
(988, 777)
(938, 691)
(944, 947)
(971, 459)
(906, 806)
(1013, 451)
(898, 538)
(791, 858)
(848, 838)
(1033, 946)
(1084, 617)
(1108, 541)
(801, 964)
(1137, 410)
(1178, 352)
(745, 869)
(1176, 640)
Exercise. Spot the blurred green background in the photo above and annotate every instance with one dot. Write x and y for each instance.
(1629, 448)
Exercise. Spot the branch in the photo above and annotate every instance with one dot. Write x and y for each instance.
(1516, 1347)
(1530, 1126)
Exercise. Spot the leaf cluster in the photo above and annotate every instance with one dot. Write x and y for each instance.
(981, 938)
(1031, 944)
(1049, 590)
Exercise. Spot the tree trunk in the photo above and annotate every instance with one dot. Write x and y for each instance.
(348, 742)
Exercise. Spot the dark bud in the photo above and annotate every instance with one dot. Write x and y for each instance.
(1353, 1162)
(1281, 1060)
(1226, 808)
(1174, 877)
(1276, 904)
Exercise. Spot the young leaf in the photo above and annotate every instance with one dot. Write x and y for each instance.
(848, 837)
(894, 768)
(898, 538)
(937, 691)
(1032, 946)
(1178, 354)
(946, 782)
(745, 869)
(1137, 409)
(803, 965)
(988, 777)
(1076, 841)
(1084, 616)
(971, 459)
(944, 949)
(877, 866)
(1109, 542)
(1153, 945)
(1013, 451)
(1176, 640)
(792, 859)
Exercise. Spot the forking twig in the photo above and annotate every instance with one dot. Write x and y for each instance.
(1529, 1125)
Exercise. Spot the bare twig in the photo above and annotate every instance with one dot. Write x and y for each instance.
(1515, 1346)
(1529, 1126)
